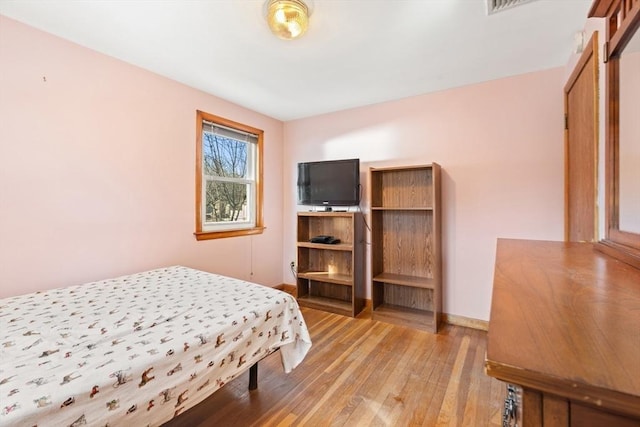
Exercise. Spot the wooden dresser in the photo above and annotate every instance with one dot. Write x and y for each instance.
(565, 331)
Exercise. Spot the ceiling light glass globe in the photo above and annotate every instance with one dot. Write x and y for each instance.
(287, 19)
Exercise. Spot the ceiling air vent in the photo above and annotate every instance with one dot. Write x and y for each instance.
(495, 6)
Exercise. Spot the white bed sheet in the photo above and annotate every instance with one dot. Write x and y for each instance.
(139, 349)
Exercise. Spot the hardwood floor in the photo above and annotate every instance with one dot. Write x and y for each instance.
(361, 372)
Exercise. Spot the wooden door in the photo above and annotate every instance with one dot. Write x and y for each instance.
(581, 147)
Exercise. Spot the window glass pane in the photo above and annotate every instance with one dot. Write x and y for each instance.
(226, 202)
(224, 156)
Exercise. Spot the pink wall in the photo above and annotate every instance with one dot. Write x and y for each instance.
(97, 169)
(629, 145)
(97, 163)
(500, 144)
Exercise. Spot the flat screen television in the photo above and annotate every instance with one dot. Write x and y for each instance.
(329, 183)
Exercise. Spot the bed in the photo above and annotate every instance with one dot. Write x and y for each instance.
(139, 349)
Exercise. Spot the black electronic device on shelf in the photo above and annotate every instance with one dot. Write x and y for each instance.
(329, 240)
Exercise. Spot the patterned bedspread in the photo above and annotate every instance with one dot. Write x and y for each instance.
(137, 350)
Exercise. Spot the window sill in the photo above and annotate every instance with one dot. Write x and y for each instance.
(210, 235)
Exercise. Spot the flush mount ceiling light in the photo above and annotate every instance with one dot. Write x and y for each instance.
(288, 19)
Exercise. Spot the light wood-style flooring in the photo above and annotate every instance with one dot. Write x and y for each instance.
(361, 372)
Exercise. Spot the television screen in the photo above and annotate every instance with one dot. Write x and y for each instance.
(329, 183)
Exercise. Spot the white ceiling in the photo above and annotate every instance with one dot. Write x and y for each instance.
(356, 52)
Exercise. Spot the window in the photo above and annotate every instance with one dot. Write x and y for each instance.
(228, 178)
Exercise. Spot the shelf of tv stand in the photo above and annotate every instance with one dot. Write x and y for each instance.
(405, 280)
(323, 276)
(328, 304)
(327, 246)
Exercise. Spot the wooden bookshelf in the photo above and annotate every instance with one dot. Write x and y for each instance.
(406, 284)
(330, 277)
